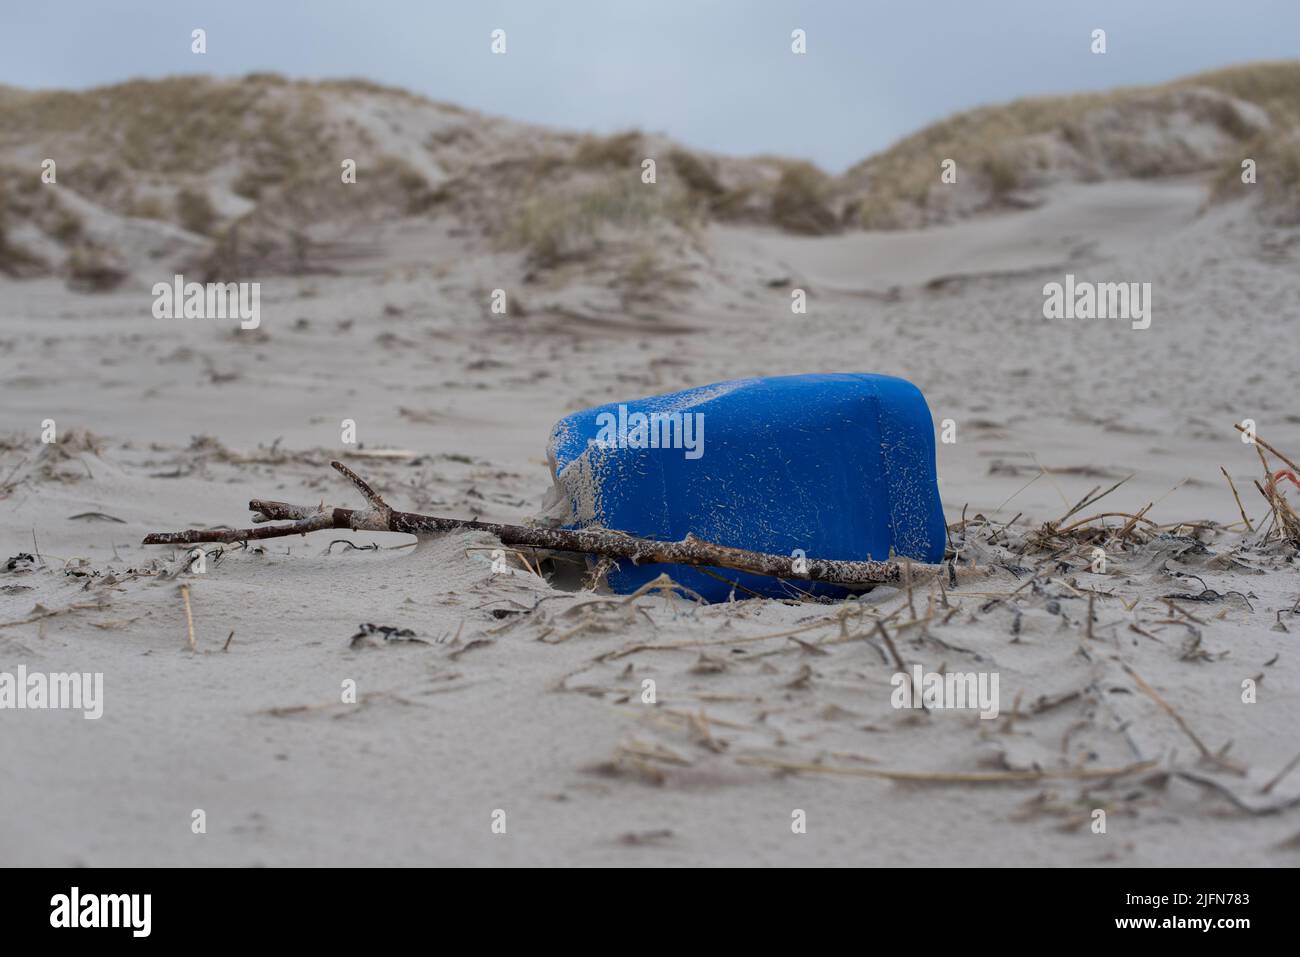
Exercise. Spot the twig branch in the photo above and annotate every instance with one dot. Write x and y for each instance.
(950, 777)
(1206, 753)
(1256, 440)
(1241, 508)
(380, 517)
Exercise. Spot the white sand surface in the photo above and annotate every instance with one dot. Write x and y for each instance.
(166, 424)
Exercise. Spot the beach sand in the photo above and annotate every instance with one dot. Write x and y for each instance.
(527, 698)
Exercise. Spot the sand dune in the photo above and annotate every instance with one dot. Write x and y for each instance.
(523, 695)
(1079, 223)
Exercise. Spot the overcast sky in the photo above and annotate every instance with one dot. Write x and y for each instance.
(717, 74)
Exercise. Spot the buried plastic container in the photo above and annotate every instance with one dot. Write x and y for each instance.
(828, 466)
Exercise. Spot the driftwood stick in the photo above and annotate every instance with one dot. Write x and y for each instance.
(380, 517)
(1258, 441)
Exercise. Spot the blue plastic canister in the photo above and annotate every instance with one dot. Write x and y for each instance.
(828, 466)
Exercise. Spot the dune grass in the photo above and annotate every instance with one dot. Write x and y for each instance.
(1277, 178)
(25, 199)
(619, 150)
(563, 224)
(275, 142)
(799, 200)
(985, 140)
(195, 212)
